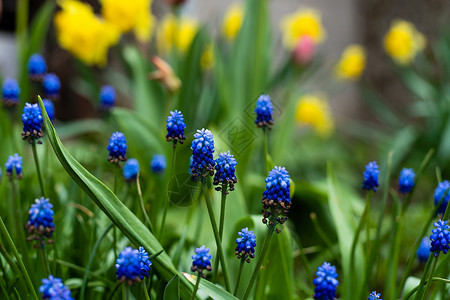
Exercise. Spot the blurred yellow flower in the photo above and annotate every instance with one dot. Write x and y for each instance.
(176, 33)
(130, 15)
(83, 34)
(402, 42)
(232, 22)
(302, 22)
(207, 58)
(352, 63)
(314, 111)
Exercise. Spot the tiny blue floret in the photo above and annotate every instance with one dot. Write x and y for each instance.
(371, 176)
(374, 296)
(246, 244)
(131, 169)
(107, 97)
(40, 220)
(202, 159)
(440, 239)
(423, 252)
(225, 177)
(442, 189)
(36, 67)
(10, 92)
(32, 122)
(14, 164)
(325, 282)
(175, 127)
(158, 163)
(51, 85)
(117, 148)
(201, 260)
(145, 263)
(276, 198)
(264, 112)
(54, 289)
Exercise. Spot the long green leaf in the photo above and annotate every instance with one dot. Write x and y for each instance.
(172, 290)
(210, 289)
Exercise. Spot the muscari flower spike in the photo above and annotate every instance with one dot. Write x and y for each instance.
(131, 169)
(40, 220)
(117, 148)
(264, 111)
(201, 260)
(406, 180)
(442, 188)
(54, 289)
(276, 198)
(423, 252)
(51, 85)
(371, 176)
(132, 265)
(32, 123)
(14, 164)
(36, 67)
(107, 97)
(225, 167)
(440, 239)
(202, 159)
(49, 108)
(246, 244)
(325, 282)
(10, 93)
(175, 128)
(374, 296)
(158, 163)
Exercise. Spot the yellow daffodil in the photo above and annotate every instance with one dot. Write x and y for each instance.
(207, 58)
(232, 22)
(302, 22)
(402, 42)
(176, 33)
(352, 63)
(314, 111)
(83, 34)
(130, 15)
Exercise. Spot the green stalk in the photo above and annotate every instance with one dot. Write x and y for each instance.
(197, 283)
(238, 280)
(38, 169)
(44, 260)
(116, 179)
(145, 290)
(266, 151)
(22, 268)
(262, 254)
(322, 234)
(216, 233)
(438, 279)
(167, 198)
(394, 249)
(424, 276)
(221, 224)
(428, 282)
(141, 203)
(113, 292)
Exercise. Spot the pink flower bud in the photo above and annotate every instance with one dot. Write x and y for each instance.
(304, 51)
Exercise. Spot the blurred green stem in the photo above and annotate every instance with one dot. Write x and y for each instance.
(144, 288)
(38, 169)
(262, 254)
(266, 151)
(428, 282)
(216, 233)
(141, 203)
(167, 199)
(44, 259)
(197, 283)
(116, 179)
(221, 224)
(238, 280)
(438, 279)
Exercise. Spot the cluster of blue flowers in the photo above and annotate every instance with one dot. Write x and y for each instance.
(325, 282)
(202, 159)
(201, 260)
(131, 169)
(107, 97)
(14, 165)
(225, 179)
(40, 220)
(374, 296)
(10, 93)
(406, 180)
(51, 86)
(264, 112)
(371, 176)
(49, 108)
(175, 128)
(32, 123)
(117, 148)
(423, 252)
(440, 239)
(54, 289)
(158, 163)
(442, 191)
(246, 244)
(36, 67)
(276, 198)
(132, 265)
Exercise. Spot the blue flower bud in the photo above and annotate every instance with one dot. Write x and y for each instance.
(51, 85)
(423, 252)
(264, 111)
(107, 97)
(406, 180)
(54, 289)
(132, 265)
(440, 239)
(117, 148)
(131, 169)
(246, 244)
(325, 282)
(175, 127)
(202, 159)
(14, 164)
(36, 67)
(225, 168)
(40, 220)
(371, 176)
(32, 122)
(201, 260)
(158, 163)
(276, 198)
(10, 93)
(442, 188)
(374, 296)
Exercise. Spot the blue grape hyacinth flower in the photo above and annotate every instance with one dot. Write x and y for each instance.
(14, 164)
(440, 239)
(246, 244)
(117, 148)
(40, 220)
(131, 169)
(132, 265)
(32, 122)
(264, 112)
(225, 177)
(276, 198)
(406, 180)
(371, 176)
(49, 108)
(325, 282)
(175, 127)
(10, 93)
(423, 252)
(443, 188)
(54, 289)
(374, 296)
(36, 67)
(202, 159)
(158, 163)
(51, 85)
(201, 260)
(107, 97)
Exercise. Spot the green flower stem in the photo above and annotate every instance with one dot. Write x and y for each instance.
(116, 183)
(22, 268)
(38, 169)
(113, 292)
(394, 251)
(262, 254)
(322, 235)
(44, 260)
(438, 279)
(167, 199)
(238, 280)
(266, 151)
(197, 283)
(141, 203)
(144, 288)
(216, 233)
(221, 224)
(428, 282)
